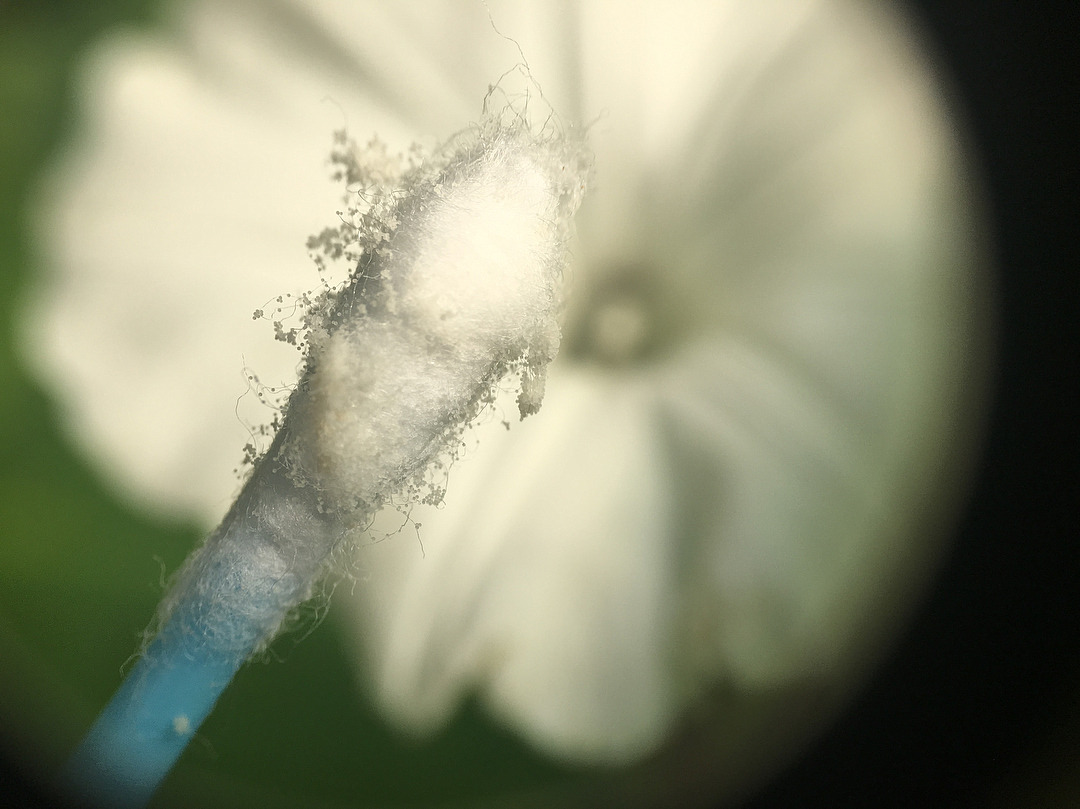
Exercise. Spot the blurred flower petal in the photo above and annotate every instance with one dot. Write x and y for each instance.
(765, 352)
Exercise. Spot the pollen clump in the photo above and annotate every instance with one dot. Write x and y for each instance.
(457, 278)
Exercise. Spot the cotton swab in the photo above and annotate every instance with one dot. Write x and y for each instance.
(458, 285)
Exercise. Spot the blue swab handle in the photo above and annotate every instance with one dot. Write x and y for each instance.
(146, 726)
(227, 601)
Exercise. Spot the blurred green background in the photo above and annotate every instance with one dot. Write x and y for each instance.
(80, 573)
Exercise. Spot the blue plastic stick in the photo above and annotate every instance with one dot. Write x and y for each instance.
(229, 598)
(147, 724)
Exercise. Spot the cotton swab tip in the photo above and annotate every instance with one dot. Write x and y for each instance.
(458, 284)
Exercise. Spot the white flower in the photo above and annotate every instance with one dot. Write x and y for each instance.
(762, 394)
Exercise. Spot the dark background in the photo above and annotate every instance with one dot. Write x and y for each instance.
(980, 704)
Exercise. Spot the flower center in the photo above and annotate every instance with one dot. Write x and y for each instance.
(613, 319)
(619, 329)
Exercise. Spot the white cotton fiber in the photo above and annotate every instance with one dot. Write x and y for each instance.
(458, 284)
